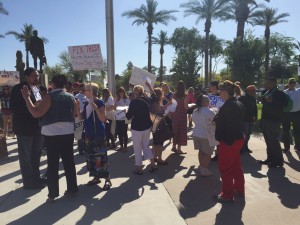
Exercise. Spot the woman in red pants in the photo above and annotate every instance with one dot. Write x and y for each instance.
(229, 132)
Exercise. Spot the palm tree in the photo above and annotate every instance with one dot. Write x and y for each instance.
(4, 12)
(24, 36)
(267, 18)
(162, 40)
(206, 10)
(241, 11)
(148, 14)
(2, 9)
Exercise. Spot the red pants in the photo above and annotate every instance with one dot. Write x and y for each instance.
(231, 168)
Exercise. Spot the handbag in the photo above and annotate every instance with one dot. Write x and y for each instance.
(155, 122)
(164, 131)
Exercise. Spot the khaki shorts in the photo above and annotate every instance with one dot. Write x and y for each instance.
(203, 145)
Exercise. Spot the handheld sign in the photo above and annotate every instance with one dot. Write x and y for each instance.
(86, 57)
(9, 78)
(140, 76)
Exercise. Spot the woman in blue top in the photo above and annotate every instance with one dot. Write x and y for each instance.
(94, 117)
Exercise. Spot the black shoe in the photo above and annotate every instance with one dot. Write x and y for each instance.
(275, 165)
(264, 162)
(215, 158)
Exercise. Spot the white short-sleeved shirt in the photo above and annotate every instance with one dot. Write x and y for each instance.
(295, 96)
(204, 127)
(110, 114)
(122, 102)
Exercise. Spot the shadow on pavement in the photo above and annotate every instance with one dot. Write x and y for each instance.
(287, 191)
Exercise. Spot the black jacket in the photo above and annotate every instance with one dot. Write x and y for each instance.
(273, 110)
(229, 121)
(24, 123)
(139, 112)
(250, 106)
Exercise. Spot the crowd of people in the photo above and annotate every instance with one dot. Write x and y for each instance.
(221, 118)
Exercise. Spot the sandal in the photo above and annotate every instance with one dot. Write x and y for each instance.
(93, 182)
(138, 172)
(107, 185)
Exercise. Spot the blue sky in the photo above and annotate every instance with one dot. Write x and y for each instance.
(77, 22)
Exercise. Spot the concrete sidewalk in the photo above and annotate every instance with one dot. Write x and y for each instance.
(175, 194)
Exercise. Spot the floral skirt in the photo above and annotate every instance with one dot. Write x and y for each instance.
(96, 157)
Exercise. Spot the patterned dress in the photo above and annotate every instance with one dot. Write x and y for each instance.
(179, 123)
(96, 148)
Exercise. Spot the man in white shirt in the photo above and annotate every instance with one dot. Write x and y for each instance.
(292, 117)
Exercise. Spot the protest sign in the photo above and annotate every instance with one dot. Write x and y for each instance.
(86, 57)
(140, 76)
(9, 78)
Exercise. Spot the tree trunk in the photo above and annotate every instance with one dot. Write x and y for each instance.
(27, 59)
(210, 66)
(206, 58)
(161, 64)
(150, 31)
(267, 50)
(206, 30)
(240, 30)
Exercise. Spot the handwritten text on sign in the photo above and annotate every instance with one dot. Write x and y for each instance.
(86, 57)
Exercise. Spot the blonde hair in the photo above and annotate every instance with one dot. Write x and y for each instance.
(138, 90)
(94, 87)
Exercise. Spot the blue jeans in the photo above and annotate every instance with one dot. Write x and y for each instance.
(30, 149)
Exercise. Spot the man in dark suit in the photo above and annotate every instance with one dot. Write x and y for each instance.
(28, 131)
(273, 101)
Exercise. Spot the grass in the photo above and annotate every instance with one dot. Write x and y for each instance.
(256, 128)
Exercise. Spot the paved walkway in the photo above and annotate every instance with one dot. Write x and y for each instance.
(174, 195)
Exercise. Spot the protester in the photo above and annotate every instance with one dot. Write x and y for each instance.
(82, 100)
(121, 125)
(215, 102)
(58, 110)
(167, 100)
(76, 88)
(249, 101)
(191, 100)
(292, 117)
(179, 119)
(139, 112)
(28, 131)
(273, 101)
(229, 132)
(94, 116)
(110, 114)
(204, 133)
(158, 136)
(6, 111)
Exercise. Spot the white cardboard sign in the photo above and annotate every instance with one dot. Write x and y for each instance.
(140, 76)
(9, 78)
(86, 57)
